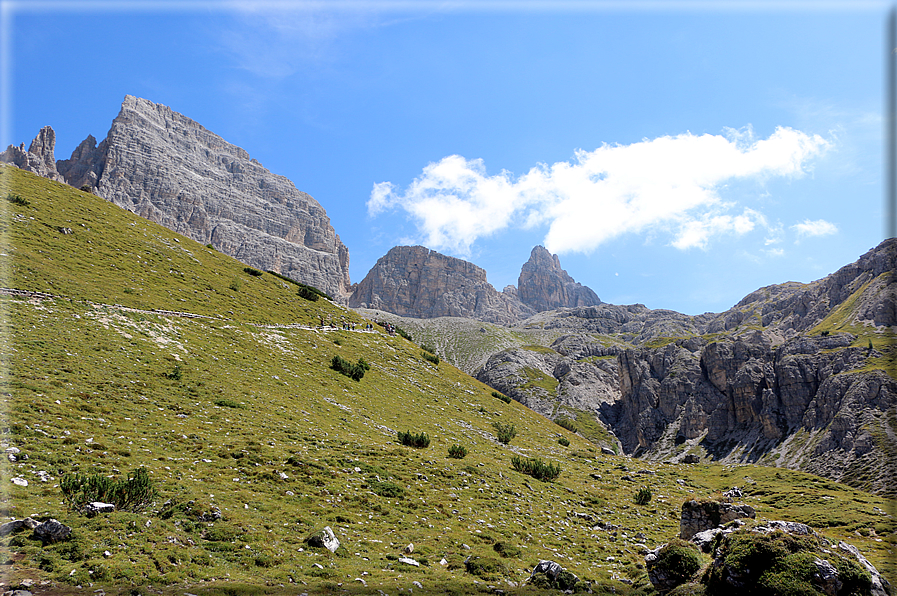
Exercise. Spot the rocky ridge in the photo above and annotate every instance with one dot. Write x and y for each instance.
(169, 169)
(543, 285)
(416, 282)
(782, 378)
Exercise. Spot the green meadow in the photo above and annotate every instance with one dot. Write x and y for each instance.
(252, 442)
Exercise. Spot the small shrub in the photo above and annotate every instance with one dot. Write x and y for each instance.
(17, 200)
(457, 451)
(132, 494)
(252, 272)
(643, 496)
(227, 403)
(305, 292)
(536, 468)
(677, 561)
(428, 348)
(176, 373)
(353, 371)
(210, 246)
(85, 188)
(235, 285)
(824, 333)
(505, 432)
(501, 396)
(419, 441)
(567, 423)
(564, 441)
(390, 490)
(506, 549)
(484, 567)
(431, 357)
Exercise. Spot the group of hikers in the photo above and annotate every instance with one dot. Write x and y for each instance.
(348, 326)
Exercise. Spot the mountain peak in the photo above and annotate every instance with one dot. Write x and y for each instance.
(544, 285)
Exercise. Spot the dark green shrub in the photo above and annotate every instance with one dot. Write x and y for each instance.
(504, 432)
(132, 494)
(210, 246)
(17, 200)
(567, 423)
(506, 549)
(389, 490)
(227, 403)
(564, 441)
(428, 348)
(643, 496)
(305, 292)
(536, 468)
(485, 566)
(353, 371)
(252, 272)
(502, 397)
(176, 373)
(457, 451)
(419, 441)
(302, 286)
(678, 561)
(431, 357)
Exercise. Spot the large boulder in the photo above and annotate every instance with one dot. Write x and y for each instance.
(698, 516)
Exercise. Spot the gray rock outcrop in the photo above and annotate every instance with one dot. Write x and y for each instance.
(698, 516)
(169, 169)
(39, 158)
(414, 281)
(543, 285)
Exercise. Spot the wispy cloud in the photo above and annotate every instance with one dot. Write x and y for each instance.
(817, 227)
(669, 185)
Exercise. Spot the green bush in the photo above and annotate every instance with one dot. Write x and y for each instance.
(457, 451)
(303, 288)
(252, 272)
(502, 397)
(485, 567)
(564, 441)
(353, 371)
(431, 357)
(428, 348)
(176, 373)
(419, 441)
(643, 496)
(308, 294)
(504, 432)
(536, 468)
(506, 549)
(235, 285)
(227, 403)
(389, 490)
(17, 200)
(679, 560)
(567, 423)
(132, 494)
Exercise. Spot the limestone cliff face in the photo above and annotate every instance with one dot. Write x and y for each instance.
(421, 283)
(413, 281)
(39, 158)
(169, 169)
(756, 383)
(543, 285)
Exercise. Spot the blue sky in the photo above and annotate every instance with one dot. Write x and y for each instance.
(679, 155)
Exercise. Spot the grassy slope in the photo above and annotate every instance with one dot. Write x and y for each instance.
(86, 388)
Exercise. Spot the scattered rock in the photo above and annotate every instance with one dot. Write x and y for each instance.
(607, 451)
(549, 574)
(409, 561)
(19, 481)
(691, 458)
(324, 538)
(97, 507)
(52, 531)
(17, 525)
(409, 549)
(698, 516)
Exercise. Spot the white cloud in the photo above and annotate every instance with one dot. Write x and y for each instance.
(669, 184)
(818, 227)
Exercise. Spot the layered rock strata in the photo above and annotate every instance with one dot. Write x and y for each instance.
(543, 285)
(39, 158)
(781, 378)
(169, 169)
(414, 281)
